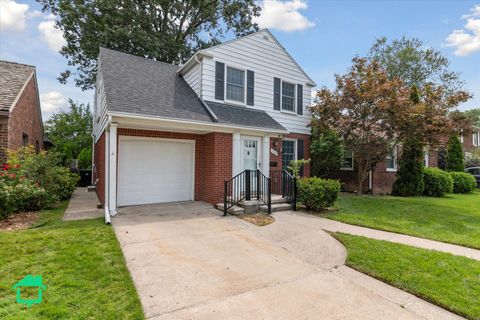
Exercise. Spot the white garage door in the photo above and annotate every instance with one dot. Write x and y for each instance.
(154, 170)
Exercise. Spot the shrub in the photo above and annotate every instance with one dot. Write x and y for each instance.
(316, 193)
(409, 179)
(463, 182)
(437, 182)
(85, 159)
(455, 161)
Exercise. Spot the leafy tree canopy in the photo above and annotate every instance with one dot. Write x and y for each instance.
(71, 130)
(164, 30)
(414, 63)
(327, 152)
(474, 114)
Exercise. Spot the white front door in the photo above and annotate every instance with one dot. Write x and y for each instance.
(250, 153)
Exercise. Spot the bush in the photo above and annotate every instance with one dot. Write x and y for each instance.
(455, 161)
(409, 178)
(437, 182)
(85, 159)
(316, 193)
(463, 182)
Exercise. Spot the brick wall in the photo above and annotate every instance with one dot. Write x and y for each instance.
(276, 144)
(26, 118)
(99, 169)
(3, 138)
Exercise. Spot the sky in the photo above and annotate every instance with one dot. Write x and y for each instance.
(323, 36)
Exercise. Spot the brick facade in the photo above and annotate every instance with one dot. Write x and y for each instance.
(213, 160)
(276, 144)
(25, 119)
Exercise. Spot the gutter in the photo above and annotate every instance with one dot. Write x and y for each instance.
(209, 111)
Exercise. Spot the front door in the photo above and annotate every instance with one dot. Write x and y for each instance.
(250, 146)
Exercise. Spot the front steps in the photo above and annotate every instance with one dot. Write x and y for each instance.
(253, 206)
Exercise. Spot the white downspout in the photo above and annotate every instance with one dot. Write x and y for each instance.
(107, 171)
(201, 76)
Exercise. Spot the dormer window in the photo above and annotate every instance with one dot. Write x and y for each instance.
(235, 84)
(288, 96)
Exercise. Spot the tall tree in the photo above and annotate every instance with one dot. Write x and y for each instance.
(415, 64)
(455, 160)
(71, 130)
(366, 109)
(474, 114)
(164, 30)
(327, 152)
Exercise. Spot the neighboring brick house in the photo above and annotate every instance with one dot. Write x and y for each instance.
(380, 180)
(20, 114)
(167, 133)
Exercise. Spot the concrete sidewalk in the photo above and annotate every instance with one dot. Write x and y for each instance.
(336, 226)
(83, 205)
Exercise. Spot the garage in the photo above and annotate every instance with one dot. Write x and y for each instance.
(153, 170)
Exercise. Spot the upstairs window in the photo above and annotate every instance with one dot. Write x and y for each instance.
(347, 161)
(24, 139)
(235, 84)
(288, 96)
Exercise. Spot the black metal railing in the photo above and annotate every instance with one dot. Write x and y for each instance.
(246, 185)
(289, 188)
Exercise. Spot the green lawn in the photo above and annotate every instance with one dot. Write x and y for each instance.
(451, 282)
(81, 264)
(454, 218)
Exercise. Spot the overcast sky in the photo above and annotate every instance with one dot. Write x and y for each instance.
(323, 36)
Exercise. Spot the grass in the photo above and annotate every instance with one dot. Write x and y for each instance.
(451, 282)
(454, 218)
(81, 264)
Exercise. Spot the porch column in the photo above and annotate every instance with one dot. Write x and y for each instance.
(112, 167)
(236, 156)
(266, 156)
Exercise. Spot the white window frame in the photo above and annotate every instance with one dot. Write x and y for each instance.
(236, 67)
(353, 162)
(294, 97)
(476, 138)
(295, 155)
(395, 165)
(426, 158)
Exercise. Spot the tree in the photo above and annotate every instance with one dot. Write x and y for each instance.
(409, 180)
(366, 110)
(71, 130)
(327, 152)
(474, 114)
(416, 65)
(164, 30)
(455, 161)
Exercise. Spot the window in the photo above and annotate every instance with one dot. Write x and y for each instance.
(476, 139)
(235, 84)
(288, 96)
(426, 158)
(392, 160)
(24, 139)
(347, 162)
(289, 152)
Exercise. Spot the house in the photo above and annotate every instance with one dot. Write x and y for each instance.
(166, 133)
(20, 114)
(381, 179)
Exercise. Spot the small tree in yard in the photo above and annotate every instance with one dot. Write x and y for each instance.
(327, 152)
(366, 109)
(455, 161)
(409, 180)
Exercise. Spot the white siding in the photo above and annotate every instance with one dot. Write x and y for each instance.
(268, 60)
(192, 77)
(100, 109)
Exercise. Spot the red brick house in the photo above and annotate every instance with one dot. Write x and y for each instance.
(166, 133)
(20, 114)
(380, 180)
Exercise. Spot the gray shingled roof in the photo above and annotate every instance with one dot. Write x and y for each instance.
(146, 87)
(13, 77)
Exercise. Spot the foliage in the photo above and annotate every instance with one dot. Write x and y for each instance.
(327, 153)
(473, 160)
(85, 159)
(71, 130)
(168, 31)
(444, 279)
(365, 109)
(455, 161)
(474, 114)
(316, 193)
(463, 182)
(437, 182)
(409, 181)
(296, 165)
(415, 64)
(31, 181)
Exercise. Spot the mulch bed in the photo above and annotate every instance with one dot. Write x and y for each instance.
(18, 221)
(259, 219)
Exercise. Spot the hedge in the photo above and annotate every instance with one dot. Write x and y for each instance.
(316, 193)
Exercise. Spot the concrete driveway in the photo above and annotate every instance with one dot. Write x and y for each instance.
(189, 262)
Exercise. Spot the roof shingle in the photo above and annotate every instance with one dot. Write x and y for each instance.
(13, 77)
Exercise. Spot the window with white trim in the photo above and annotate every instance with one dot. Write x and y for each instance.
(347, 161)
(391, 160)
(476, 139)
(289, 152)
(426, 158)
(235, 84)
(288, 96)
